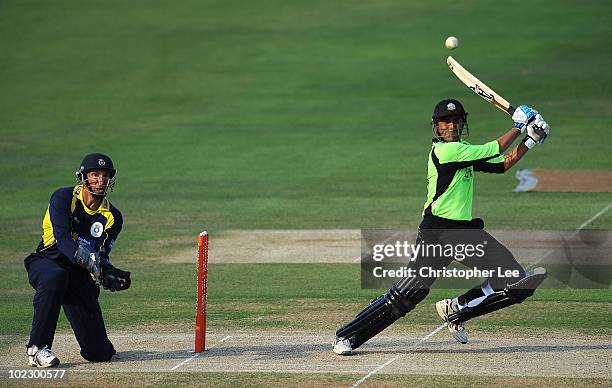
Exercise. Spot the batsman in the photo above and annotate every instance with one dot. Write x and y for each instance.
(72, 261)
(447, 218)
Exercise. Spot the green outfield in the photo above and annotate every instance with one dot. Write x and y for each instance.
(288, 115)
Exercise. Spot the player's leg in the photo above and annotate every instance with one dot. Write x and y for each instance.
(50, 281)
(380, 314)
(498, 291)
(512, 294)
(85, 316)
(496, 257)
(401, 298)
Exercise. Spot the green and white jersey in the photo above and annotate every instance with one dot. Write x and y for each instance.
(450, 176)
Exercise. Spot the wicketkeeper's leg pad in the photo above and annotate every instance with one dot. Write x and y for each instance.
(512, 294)
(383, 311)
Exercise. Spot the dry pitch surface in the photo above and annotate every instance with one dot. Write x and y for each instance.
(554, 355)
(344, 245)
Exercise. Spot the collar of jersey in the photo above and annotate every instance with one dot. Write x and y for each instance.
(434, 140)
(78, 190)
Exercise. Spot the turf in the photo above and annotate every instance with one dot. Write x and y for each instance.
(287, 115)
(280, 295)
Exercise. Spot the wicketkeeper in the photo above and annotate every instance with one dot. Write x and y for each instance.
(447, 219)
(72, 260)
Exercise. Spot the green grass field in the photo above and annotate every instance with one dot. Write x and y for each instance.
(287, 115)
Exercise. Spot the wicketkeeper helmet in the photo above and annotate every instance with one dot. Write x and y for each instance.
(96, 161)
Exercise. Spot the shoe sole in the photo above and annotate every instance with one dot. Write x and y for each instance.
(53, 363)
(344, 352)
(457, 338)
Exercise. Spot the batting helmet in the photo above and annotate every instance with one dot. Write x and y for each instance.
(448, 108)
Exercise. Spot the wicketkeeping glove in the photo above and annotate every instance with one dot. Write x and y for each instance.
(88, 259)
(522, 116)
(113, 278)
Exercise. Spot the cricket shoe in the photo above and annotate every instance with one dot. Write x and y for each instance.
(447, 307)
(343, 347)
(42, 357)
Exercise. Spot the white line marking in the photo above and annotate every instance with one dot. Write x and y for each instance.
(602, 211)
(428, 336)
(582, 226)
(247, 370)
(364, 378)
(381, 367)
(197, 354)
(184, 361)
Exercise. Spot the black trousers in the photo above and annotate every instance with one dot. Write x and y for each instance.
(496, 258)
(64, 284)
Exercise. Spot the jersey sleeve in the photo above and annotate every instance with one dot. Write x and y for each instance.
(112, 233)
(463, 152)
(59, 214)
(495, 165)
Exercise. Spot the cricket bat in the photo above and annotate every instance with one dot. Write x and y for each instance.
(479, 87)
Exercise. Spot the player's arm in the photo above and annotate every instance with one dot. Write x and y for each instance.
(506, 140)
(512, 157)
(463, 155)
(113, 278)
(59, 214)
(503, 163)
(457, 155)
(525, 120)
(522, 116)
(112, 233)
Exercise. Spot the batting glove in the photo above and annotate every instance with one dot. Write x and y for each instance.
(522, 116)
(538, 129)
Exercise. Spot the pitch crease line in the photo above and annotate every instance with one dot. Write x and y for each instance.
(389, 362)
(197, 354)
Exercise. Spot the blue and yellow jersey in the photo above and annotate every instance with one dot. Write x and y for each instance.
(450, 176)
(68, 223)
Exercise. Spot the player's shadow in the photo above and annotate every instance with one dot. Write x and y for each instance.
(305, 351)
(134, 356)
(149, 355)
(270, 352)
(261, 352)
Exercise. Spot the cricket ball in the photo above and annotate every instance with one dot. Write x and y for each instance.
(451, 43)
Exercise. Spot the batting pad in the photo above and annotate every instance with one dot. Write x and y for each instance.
(564, 181)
